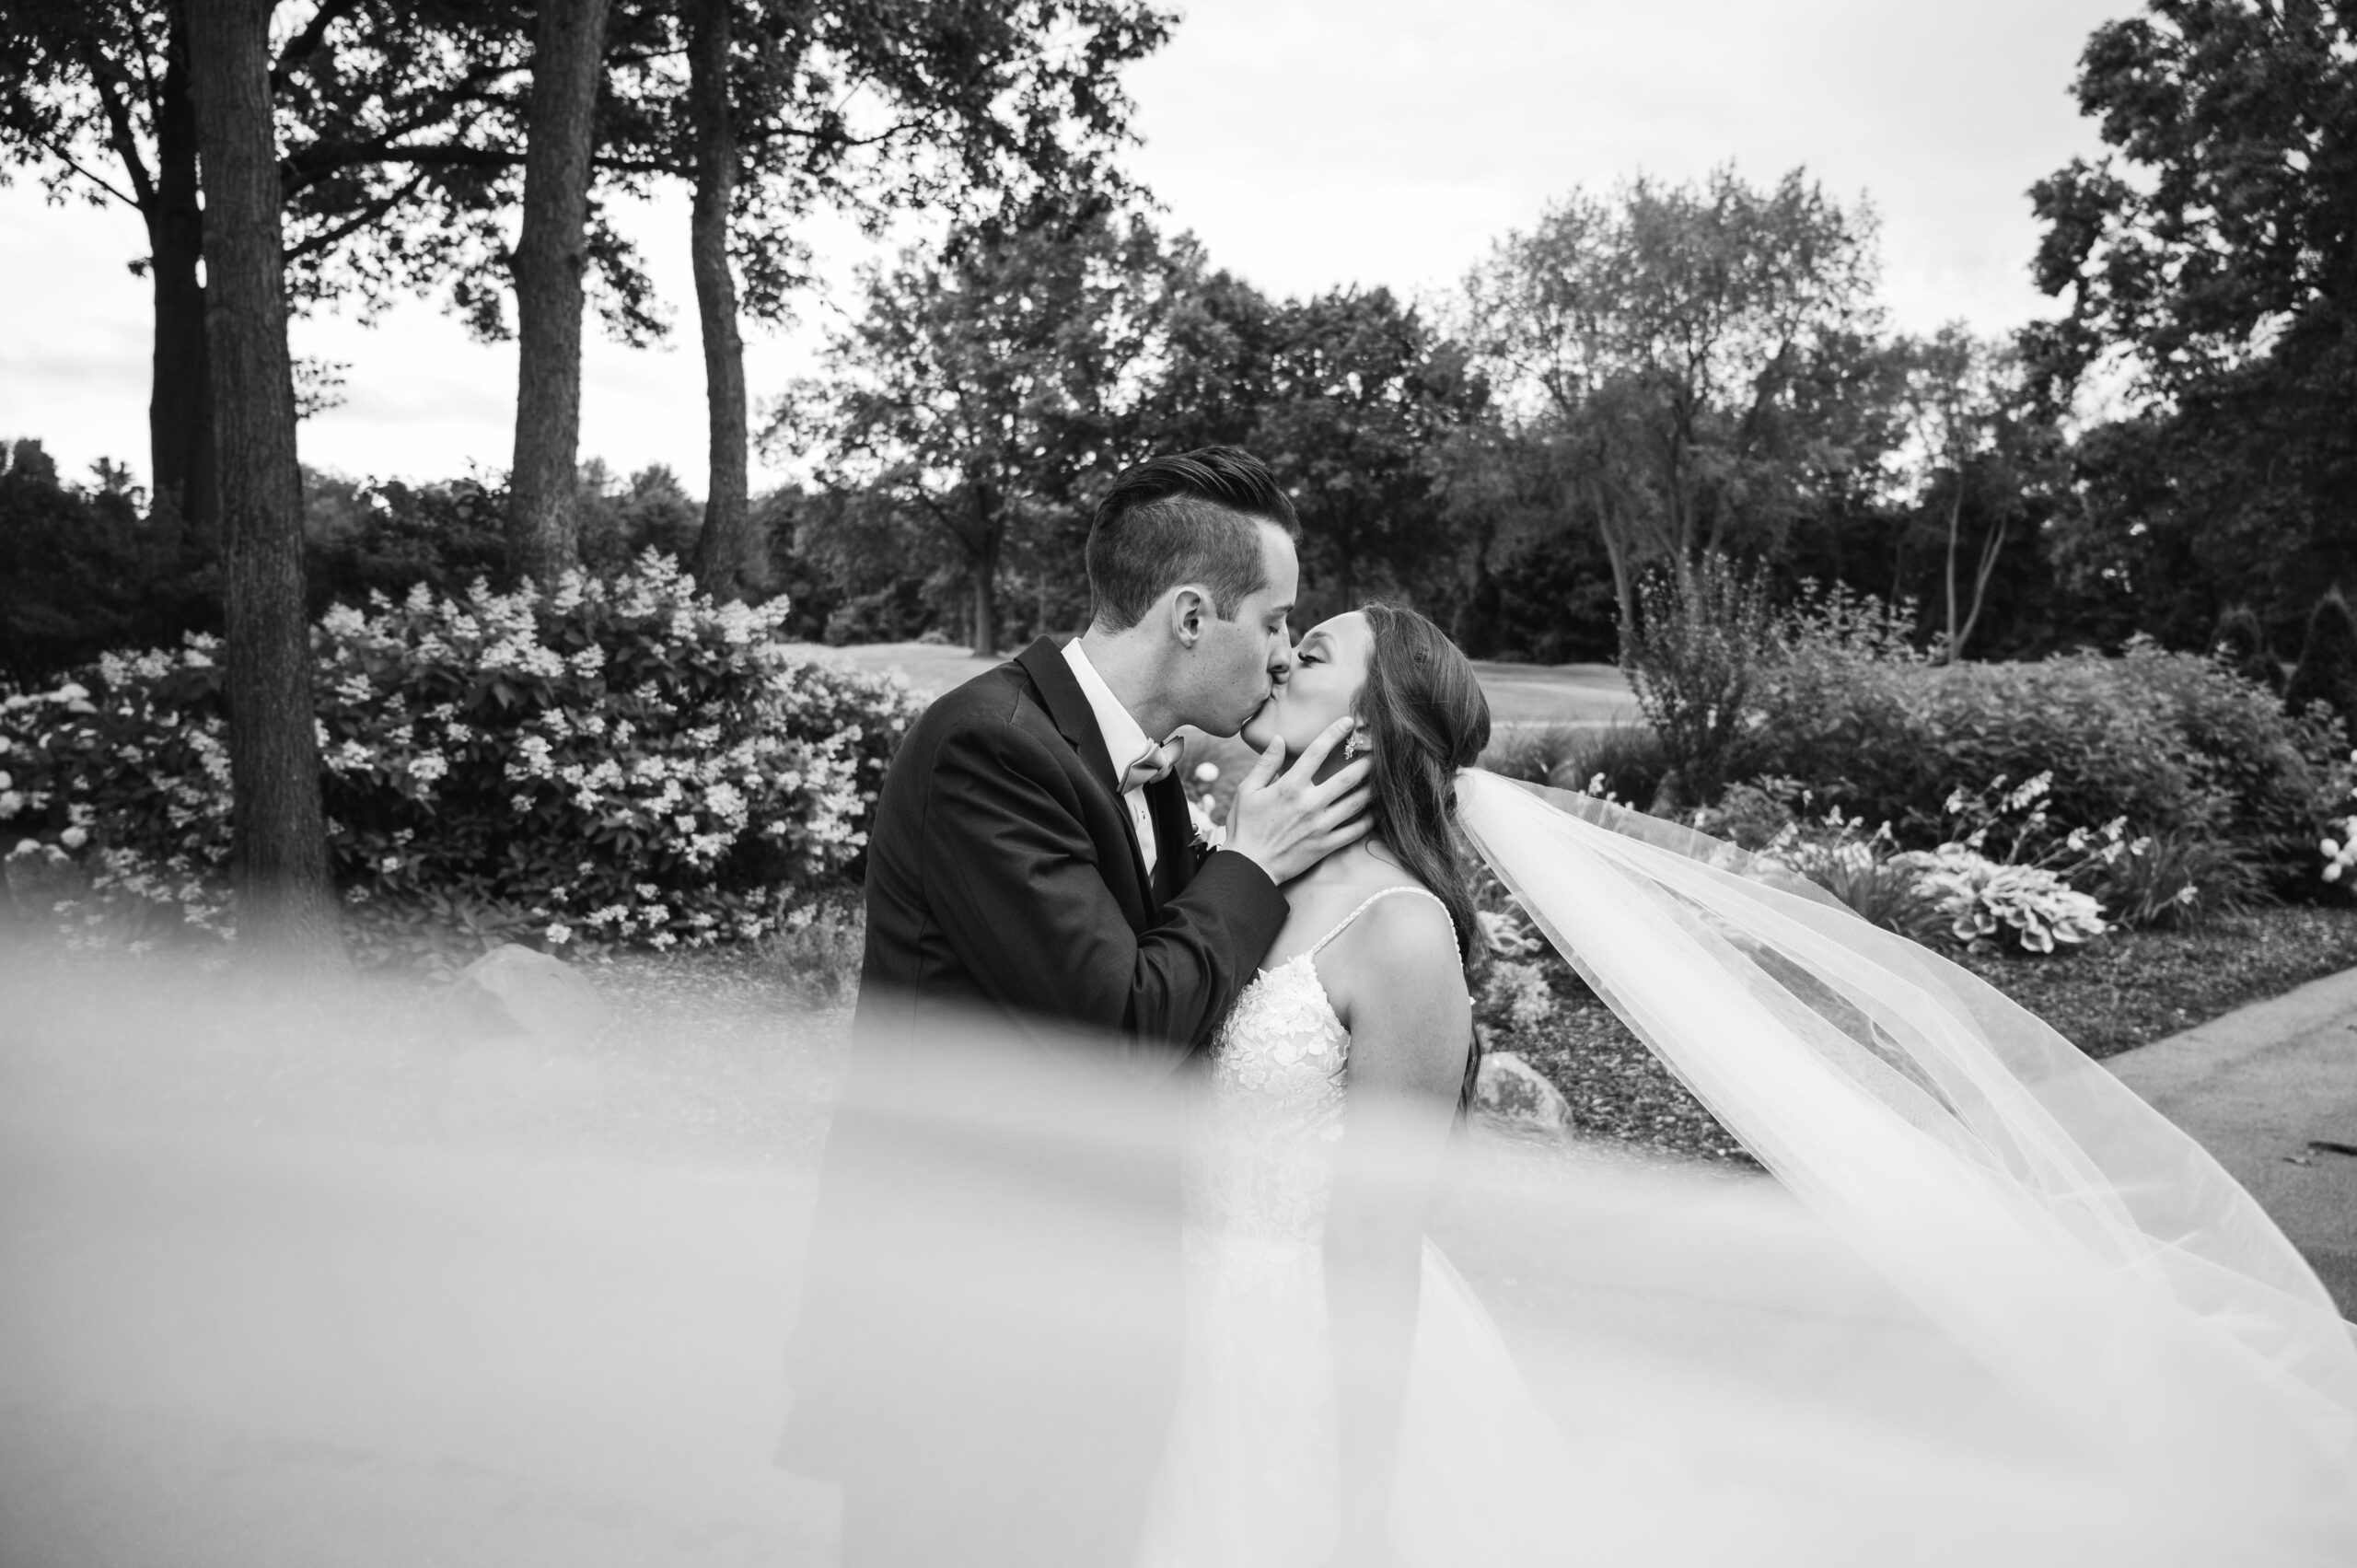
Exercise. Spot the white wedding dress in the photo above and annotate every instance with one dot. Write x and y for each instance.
(1730, 1379)
(1251, 1475)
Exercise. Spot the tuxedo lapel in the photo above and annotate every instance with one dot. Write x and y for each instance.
(1068, 709)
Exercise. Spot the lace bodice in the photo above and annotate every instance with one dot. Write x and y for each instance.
(1261, 1172)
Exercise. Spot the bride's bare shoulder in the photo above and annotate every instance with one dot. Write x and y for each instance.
(1402, 947)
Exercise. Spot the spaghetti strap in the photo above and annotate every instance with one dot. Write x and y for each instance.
(1343, 924)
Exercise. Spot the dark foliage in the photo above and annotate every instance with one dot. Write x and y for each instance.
(388, 536)
(2213, 250)
(81, 571)
(2326, 672)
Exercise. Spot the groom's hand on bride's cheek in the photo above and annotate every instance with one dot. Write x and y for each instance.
(1287, 820)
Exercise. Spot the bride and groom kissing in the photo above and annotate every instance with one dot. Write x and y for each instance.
(1034, 871)
(1118, 1257)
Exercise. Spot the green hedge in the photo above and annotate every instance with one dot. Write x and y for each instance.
(2174, 742)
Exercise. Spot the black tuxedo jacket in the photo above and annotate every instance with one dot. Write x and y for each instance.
(1004, 874)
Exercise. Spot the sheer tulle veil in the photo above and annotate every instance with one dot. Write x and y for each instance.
(2067, 1236)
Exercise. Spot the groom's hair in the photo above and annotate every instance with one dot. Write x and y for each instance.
(1192, 517)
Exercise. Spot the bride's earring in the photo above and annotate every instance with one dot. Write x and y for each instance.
(1357, 743)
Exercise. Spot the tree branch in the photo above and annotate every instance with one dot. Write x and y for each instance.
(57, 150)
(299, 47)
(119, 131)
(364, 219)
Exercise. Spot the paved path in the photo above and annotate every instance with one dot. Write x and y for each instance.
(2256, 1088)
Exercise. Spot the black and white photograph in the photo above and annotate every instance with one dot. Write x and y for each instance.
(1178, 784)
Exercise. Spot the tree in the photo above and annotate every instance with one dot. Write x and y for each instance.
(1685, 344)
(1215, 362)
(286, 905)
(402, 131)
(72, 95)
(871, 106)
(724, 556)
(1530, 574)
(982, 380)
(568, 57)
(2326, 672)
(1957, 391)
(373, 101)
(2211, 256)
(1363, 395)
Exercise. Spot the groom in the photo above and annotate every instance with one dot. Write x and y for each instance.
(1033, 875)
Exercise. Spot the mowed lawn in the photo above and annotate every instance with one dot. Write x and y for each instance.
(1519, 693)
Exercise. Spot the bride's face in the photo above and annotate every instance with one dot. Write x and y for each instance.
(1328, 668)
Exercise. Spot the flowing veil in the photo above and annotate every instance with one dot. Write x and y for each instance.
(2065, 1235)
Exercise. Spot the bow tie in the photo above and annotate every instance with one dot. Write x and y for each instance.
(1154, 763)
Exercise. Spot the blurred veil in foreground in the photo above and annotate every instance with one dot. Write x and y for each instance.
(301, 1280)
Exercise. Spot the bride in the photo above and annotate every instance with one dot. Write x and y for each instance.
(2156, 1375)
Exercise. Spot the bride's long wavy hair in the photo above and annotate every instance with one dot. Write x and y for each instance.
(1425, 716)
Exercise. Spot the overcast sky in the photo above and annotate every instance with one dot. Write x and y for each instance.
(1307, 143)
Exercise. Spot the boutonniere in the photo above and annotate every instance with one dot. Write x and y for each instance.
(1208, 833)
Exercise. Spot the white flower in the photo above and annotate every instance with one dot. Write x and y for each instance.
(73, 838)
(560, 932)
(1508, 936)
(1206, 773)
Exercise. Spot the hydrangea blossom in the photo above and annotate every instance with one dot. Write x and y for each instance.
(616, 760)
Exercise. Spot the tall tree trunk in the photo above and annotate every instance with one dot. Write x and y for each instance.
(1989, 548)
(724, 556)
(285, 908)
(568, 54)
(181, 454)
(1955, 639)
(986, 598)
(1624, 579)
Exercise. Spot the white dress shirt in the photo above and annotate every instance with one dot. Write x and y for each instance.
(1124, 743)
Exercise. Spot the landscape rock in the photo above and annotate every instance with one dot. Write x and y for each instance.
(513, 991)
(1510, 1092)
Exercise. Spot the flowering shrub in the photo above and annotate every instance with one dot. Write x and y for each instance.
(1858, 867)
(114, 794)
(2340, 849)
(1514, 993)
(1959, 889)
(1702, 635)
(613, 762)
(2031, 891)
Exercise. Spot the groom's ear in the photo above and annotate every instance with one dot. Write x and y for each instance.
(1190, 608)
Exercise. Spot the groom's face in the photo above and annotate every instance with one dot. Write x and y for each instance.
(1239, 658)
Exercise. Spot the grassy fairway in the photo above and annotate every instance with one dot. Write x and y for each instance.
(1519, 693)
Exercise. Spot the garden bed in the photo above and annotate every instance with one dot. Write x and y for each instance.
(2119, 993)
